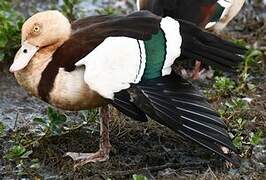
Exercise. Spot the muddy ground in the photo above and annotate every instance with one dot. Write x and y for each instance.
(138, 148)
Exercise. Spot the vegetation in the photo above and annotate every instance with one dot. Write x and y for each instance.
(10, 25)
(232, 107)
(139, 177)
(223, 86)
(109, 10)
(69, 8)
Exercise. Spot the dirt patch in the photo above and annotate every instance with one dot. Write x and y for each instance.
(16, 107)
(145, 148)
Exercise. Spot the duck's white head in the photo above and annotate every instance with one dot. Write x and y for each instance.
(44, 29)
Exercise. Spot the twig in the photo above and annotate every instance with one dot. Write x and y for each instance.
(209, 172)
(16, 121)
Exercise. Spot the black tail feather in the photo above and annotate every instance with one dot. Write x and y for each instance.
(211, 49)
(208, 38)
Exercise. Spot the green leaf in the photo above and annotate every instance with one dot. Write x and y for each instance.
(240, 42)
(41, 121)
(61, 118)
(237, 141)
(55, 117)
(224, 86)
(15, 152)
(240, 123)
(256, 138)
(67, 3)
(139, 177)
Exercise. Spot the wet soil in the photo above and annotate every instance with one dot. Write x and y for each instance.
(138, 148)
(16, 107)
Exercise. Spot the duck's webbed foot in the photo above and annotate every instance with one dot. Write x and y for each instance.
(102, 154)
(81, 159)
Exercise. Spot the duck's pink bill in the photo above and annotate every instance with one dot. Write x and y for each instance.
(23, 57)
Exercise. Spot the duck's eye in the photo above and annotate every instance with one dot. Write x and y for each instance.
(25, 51)
(36, 29)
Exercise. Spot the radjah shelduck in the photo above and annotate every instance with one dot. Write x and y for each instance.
(213, 15)
(209, 14)
(124, 61)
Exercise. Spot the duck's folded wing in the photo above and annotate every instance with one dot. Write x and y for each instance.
(86, 22)
(140, 25)
(175, 103)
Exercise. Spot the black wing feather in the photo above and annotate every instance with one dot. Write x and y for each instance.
(122, 103)
(165, 108)
(165, 100)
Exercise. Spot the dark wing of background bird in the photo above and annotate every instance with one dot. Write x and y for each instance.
(195, 11)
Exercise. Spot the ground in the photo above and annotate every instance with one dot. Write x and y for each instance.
(138, 148)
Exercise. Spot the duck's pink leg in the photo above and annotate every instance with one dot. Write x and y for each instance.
(196, 72)
(103, 153)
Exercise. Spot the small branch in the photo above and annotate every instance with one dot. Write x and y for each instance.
(16, 121)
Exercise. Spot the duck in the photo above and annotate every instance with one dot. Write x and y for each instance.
(213, 15)
(124, 62)
(210, 14)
